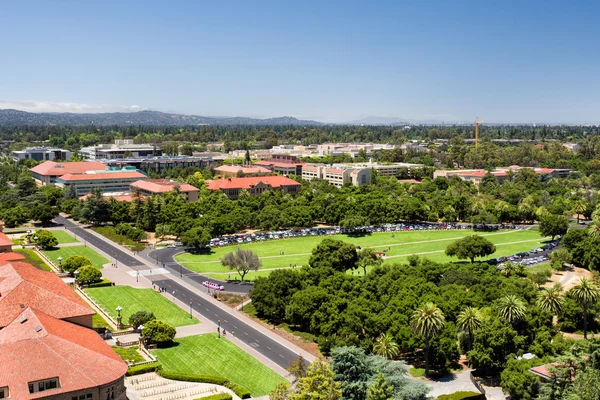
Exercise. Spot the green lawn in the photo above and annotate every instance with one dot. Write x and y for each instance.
(133, 300)
(209, 355)
(63, 237)
(296, 251)
(99, 322)
(65, 252)
(32, 258)
(128, 354)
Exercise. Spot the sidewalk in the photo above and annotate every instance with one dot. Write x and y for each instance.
(122, 276)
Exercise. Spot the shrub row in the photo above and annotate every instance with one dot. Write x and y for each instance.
(241, 391)
(220, 396)
(142, 369)
(462, 396)
(102, 283)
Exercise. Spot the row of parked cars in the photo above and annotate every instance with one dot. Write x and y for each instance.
(256, 237)
(532, 257)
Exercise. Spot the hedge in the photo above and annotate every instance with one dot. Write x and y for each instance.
(102, 283)
(241, 391)
(462, 396)
(142, 369)
(220, 396)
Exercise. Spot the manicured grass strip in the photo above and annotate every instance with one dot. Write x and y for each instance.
(296, 251)
(128, 354)
(63, 237)
(539, 268)
(110, 233)
(32, 258)
(99, 322)
(210, 355)
(132, 300)
(416, 372)
(65, 252)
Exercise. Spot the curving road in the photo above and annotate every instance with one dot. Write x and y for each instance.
(265, 345)
(167, 255)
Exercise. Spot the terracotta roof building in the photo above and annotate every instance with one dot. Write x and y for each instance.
(47, 172)
(45, 358)
(151, 187)
(476, 175)
(232, 187)
(283, 164)
(106, 180)
(238, 171)
(23, 285)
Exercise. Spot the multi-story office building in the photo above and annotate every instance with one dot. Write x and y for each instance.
(106, 180)
(283, 164)
(232, 187)
(159, 186)
(47, 172)
(42, 154)
(125, 148)
(337, 175)
(161, 163)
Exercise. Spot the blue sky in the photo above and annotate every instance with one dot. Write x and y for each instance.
(504, 61)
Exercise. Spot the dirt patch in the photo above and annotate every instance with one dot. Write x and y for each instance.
(568, 277)
(232, 300)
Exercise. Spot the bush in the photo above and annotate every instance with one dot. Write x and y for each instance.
(89, 274)
(45, 239)
(158, 332)
(103, 283)
(142, 369)
(462, 396)
(73, 263)
(220, 396)
(140, 318)
(240, 391)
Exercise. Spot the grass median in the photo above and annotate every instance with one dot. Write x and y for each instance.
(132, 300)
(65, 252)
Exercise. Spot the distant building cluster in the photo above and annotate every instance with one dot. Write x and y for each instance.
(476, 175)
(254, 186)
(355, 174)
(120, 149)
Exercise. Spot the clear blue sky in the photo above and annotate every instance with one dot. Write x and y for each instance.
(513, 61)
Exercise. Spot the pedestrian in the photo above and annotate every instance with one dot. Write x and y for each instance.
(173, 293)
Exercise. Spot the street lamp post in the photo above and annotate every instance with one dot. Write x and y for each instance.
(76, 273)
(60, 263)
(137, 275)
(219, 328)
(140, 329)
(190, 309)
(180, 271)
(119, 324)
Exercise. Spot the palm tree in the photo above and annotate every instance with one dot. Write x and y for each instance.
(502, 208)
(594, 230)
(511, 307)
(468, 321)
(525, 209)
(551, 299)
(427, 320)
(385, 346)
(579, 208)
(586, 294)
(509, 268)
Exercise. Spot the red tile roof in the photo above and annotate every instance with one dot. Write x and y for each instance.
(107, 196)
(162, 186)
(310, 168)
(103, 175)
(11, 256)
(335, 170)
(278, 164)
(246, 170)
(51, 168)
(44, 347)
(23, 284)
(4, 240)
(247, 183)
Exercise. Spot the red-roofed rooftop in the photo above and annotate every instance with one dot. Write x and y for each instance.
(35, 346)
(102, 176)
(162, 186)
(21, 284)
(247, 183)
(51, 168)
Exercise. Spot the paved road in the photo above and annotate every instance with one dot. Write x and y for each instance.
(271, 349)
(114, 252)
(166, 255)
(266, 346)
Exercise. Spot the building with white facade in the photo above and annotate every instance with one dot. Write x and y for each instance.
(125, 148)
(42, 154)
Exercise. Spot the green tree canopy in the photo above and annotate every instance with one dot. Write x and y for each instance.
(242, 261)
(336, 254)
(470, 247)
(45, 239)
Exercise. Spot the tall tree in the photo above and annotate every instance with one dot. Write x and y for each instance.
(553, 225)
(586, 294)
(579, 208)
(470, 247)
(468, 321)
(318, 384)
(385, 346)
(335, 254)
(511, 308)
(427, 320)
(368, 258)
(551, 299)
(242, 261)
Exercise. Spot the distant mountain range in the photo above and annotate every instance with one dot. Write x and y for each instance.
(17, 118)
